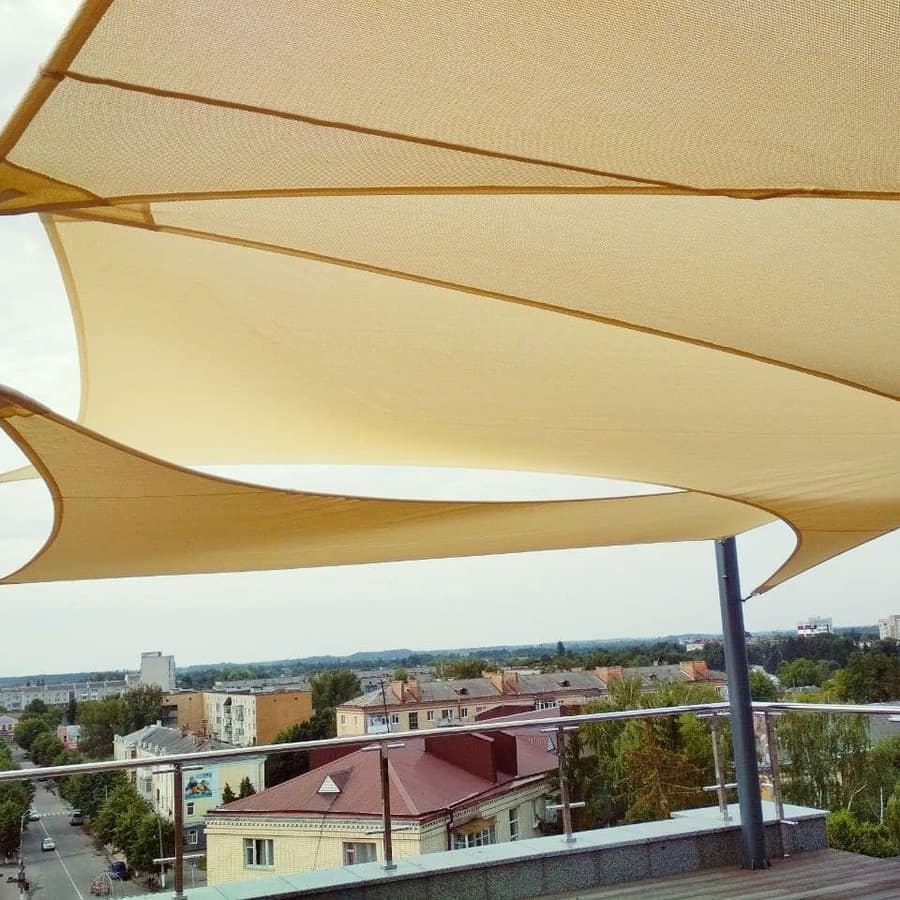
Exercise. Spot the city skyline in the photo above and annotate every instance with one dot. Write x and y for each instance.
(633, 590)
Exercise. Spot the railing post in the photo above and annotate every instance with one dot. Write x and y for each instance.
(386, 807)
(564, 785)
(178, 788)
(753, 842)
(772, 745)
(717, 763)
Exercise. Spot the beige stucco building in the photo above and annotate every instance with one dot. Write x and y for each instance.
(247, 718)
(447, 793)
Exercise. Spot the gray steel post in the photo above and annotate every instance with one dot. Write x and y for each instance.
(753, 843)
(178, 788)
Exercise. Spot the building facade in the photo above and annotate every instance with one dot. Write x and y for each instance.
(248, 718)
(202, 788)
(813, 625)
(889, 628)
(16, 697)
(158, 670)
(447, 793)
(7, 727)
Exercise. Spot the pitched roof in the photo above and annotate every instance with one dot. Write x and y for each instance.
(165, 741)
(421, 783)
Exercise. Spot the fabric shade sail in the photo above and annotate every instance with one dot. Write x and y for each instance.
(650, 242)
(147, 517)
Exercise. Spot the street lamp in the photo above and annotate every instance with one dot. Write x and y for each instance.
(178, 790)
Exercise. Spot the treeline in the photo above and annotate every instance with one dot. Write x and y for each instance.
(15, 800)
(100, 721)
(120, 817)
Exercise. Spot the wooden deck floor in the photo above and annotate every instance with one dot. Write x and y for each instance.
(830, 874)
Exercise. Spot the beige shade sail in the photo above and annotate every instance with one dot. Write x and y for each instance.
(651, 242)
(120, 512)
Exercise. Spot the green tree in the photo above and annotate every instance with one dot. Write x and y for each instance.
(761, 686)
(15, 799)
(825, 759)
(28, 729)
(334, 687)
(649, 768)
(804, 672)
(90, 791)
(846, 832)
(71, 710)
(144, 846)
(228, 795)
(467, 667)
(400, 674)
(870, 677)
(116, 810)
(143, 706)
(48, 750)
(100, 721)
(36, 706)
(283, 766)
(892, 817)
(246, 788)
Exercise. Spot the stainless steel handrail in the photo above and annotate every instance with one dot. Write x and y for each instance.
(382, 741)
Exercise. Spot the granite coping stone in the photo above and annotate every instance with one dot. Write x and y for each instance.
(677, 847)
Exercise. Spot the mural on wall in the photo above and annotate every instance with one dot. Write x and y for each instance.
(199, 786)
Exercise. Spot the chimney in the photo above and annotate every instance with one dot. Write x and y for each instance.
(496, 680)
(510, 682)
(608, 674)
(397, 690)
(414, 691)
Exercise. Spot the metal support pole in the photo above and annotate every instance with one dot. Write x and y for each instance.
(753, 843)
(386, 808)
(717, 763)
(564, 785)
(178, 788)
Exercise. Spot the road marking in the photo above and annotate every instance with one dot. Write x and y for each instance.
(65, 867)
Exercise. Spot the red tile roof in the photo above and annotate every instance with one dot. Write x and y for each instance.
(421, 783)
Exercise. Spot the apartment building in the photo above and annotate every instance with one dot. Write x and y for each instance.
(185, 710)
(7, 727)
(689, 671)
(202, 788)
(16, 697)
(447, 793)
(158, 670)
(412, 705)
(247, 718)
(889, 628)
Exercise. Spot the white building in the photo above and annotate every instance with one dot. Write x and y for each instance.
(889, 628)
(158, 670)
(202, 788)
(813, 625)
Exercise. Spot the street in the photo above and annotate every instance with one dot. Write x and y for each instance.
(67, 872)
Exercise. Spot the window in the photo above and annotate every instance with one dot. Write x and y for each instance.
(395, 718)
(514, 823)
(536, 820)
(430, 715)
(475, 838)
(343, 719)
(189, 809)
(413, 721)
(356, 853)
(259, 853)
(193, 837)
(480, 709)
(464, 712)
(446, 713)
(546, 704)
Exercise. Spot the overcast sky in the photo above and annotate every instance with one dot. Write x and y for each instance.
(580, 594)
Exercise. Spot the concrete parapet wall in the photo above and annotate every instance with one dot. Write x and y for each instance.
(690, 841)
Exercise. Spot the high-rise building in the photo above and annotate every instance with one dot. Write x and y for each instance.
(158, 670)
(889, 628)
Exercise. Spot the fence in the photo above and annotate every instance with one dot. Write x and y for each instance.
(558, 726)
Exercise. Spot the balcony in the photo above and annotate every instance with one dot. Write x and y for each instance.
(693, 851)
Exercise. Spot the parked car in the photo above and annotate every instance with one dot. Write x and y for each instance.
(48, 844)
(119, 870)
(76, 818)
(33, 816)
